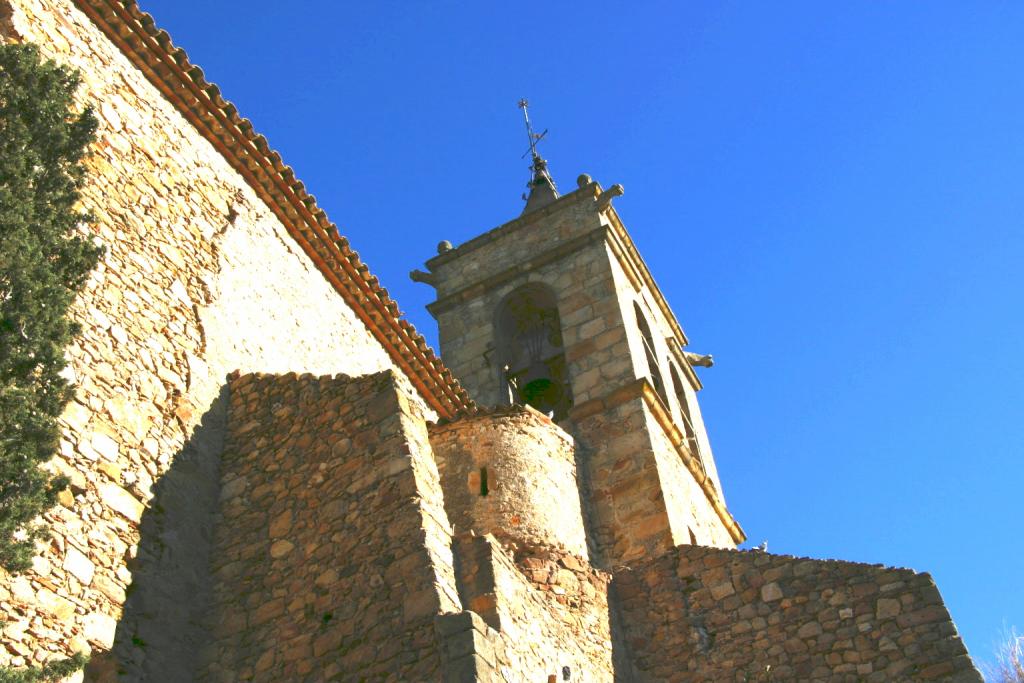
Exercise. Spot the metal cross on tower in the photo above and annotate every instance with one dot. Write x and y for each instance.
(542, 187)
(534, 137)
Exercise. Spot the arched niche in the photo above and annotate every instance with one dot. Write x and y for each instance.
(528, 340)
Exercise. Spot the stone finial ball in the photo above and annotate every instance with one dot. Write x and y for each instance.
(583, 180)
(444, 246)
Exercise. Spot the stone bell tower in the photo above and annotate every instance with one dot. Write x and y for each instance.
(556, 309)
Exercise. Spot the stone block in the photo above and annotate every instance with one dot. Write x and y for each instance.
(78, 565)
(61, 608)
(887, 608)
(448, 624)
(722, 590)
(122, 502)
(105, 446)
(771, 592)
(281, 525)
(99, 629)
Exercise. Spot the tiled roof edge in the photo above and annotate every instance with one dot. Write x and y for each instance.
(216, 119)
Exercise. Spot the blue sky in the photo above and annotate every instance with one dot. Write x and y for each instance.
(829, 194)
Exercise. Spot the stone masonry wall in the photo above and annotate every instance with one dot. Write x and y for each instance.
(333, 554)
(492, 252)
(175, 305)
(532, 627)
(579, 278)
(663, 339)
(629, 516)
(688, 508)
(528, 465)
(706, 614)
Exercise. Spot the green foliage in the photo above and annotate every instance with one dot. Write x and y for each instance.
(43, 264)
(52, 671)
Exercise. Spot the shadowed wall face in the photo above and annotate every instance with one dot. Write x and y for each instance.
(333, 553)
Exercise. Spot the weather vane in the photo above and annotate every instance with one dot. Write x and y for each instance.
(534, 137)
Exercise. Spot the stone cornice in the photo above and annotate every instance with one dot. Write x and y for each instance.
(641, 388)
(168, 68)
(478, 288)
(590, 190)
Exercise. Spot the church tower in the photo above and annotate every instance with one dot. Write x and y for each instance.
(556, 309)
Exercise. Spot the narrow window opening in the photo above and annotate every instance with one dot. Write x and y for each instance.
(684, 417)
(649, 351)
(483, 481)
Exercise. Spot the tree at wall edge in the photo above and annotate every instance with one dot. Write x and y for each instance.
(45, 261)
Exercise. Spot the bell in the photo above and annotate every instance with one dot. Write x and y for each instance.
(539, 389)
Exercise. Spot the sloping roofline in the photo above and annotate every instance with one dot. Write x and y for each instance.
(150, 49)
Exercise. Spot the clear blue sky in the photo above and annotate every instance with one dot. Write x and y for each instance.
(829, 194)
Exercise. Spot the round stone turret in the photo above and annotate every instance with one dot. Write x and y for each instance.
(511, 472)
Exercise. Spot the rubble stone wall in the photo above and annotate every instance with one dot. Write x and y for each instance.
(511, 473)
(535, 627)
(199, 279)
(333, 554)
(706, 614)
